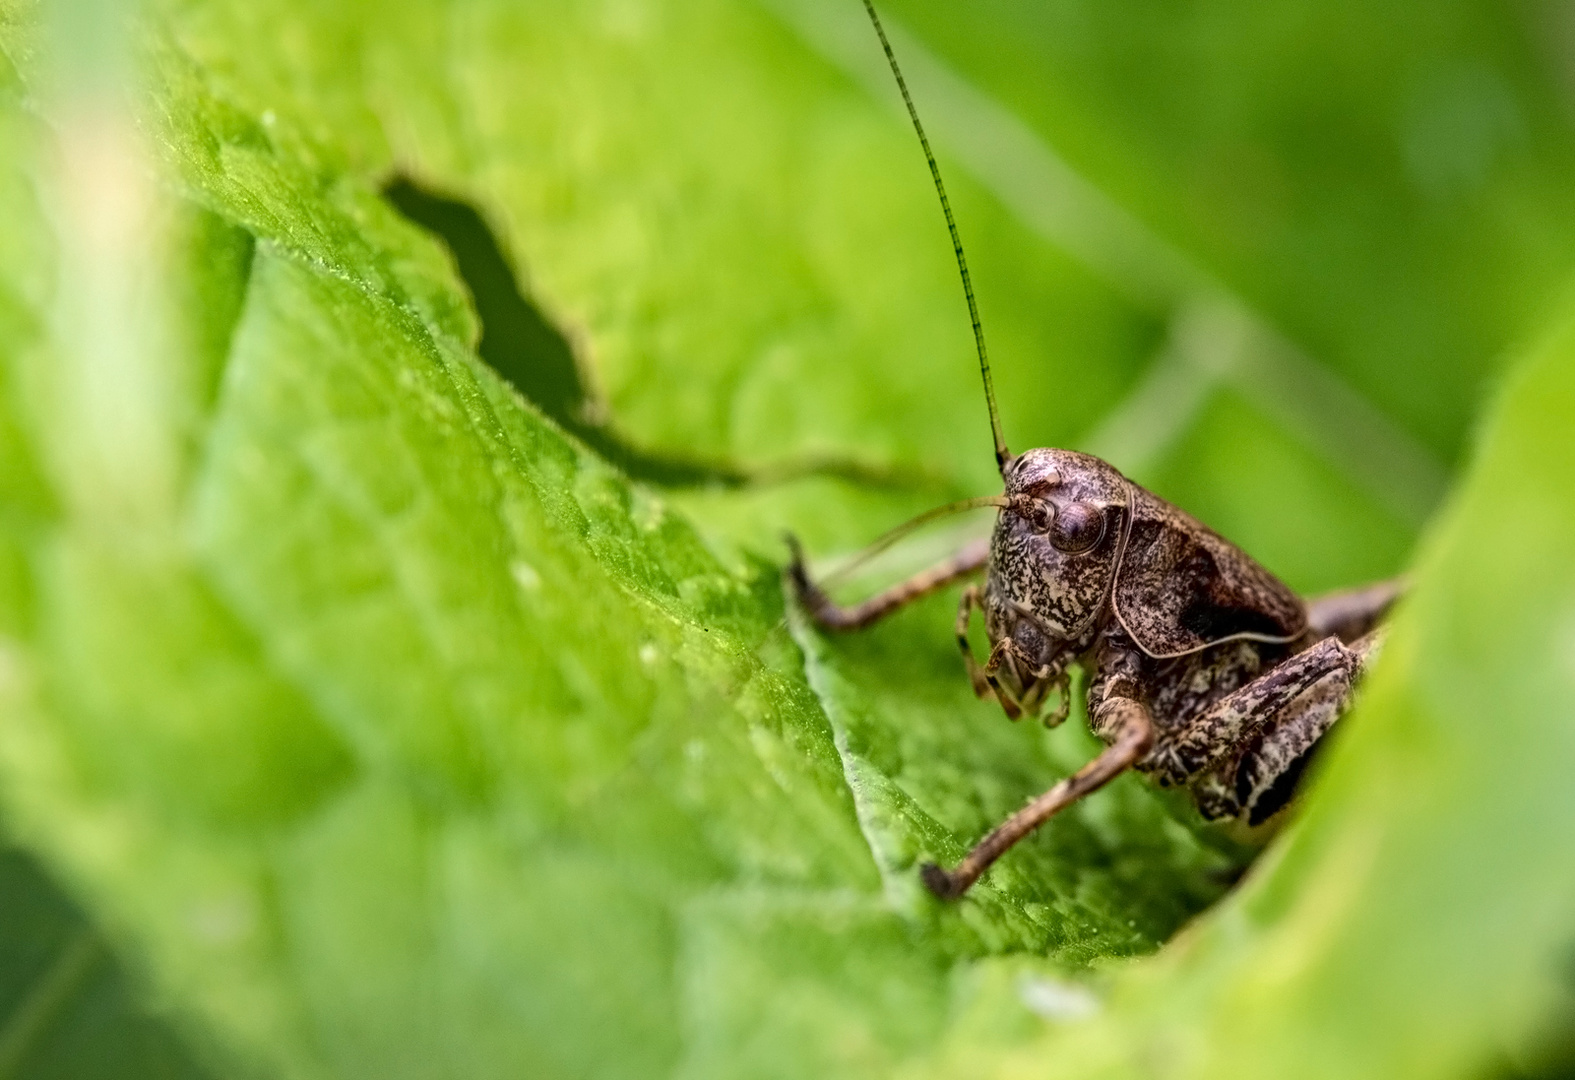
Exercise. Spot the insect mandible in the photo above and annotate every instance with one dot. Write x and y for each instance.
(1206, 671)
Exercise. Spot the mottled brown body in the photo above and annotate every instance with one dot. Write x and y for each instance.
(1207, 671)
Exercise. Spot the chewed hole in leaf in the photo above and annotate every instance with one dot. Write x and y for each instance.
(537, 359)
(527, 350)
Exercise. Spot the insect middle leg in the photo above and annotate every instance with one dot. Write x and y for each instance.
(833, 616)
(1134, 734)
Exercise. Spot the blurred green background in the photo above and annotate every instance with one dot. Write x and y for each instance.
(400, 409)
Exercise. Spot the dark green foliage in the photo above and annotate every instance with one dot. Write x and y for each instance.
(385, 729)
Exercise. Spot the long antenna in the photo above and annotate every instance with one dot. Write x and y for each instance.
(890, 537)
(1002, 454)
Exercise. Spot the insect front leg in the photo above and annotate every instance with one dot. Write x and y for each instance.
(1133, 729)
(985, 681)
(832, 616)
(972, 600)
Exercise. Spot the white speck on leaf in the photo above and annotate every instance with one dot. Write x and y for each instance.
(1056, 1000)
(222, 920)
(525, 574)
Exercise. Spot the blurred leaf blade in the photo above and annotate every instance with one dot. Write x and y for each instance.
(69, 1010)
(410, 737)
(1272, 147)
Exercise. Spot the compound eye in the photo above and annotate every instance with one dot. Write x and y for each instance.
(1077, 527)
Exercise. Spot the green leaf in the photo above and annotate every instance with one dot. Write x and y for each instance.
(391, 731)
(403, 705)
(69, 1010)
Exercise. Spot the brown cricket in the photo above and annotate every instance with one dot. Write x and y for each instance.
(1205, 670)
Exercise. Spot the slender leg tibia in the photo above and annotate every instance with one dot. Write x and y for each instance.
(971, 599)
(832, 616)
(1135, 736)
